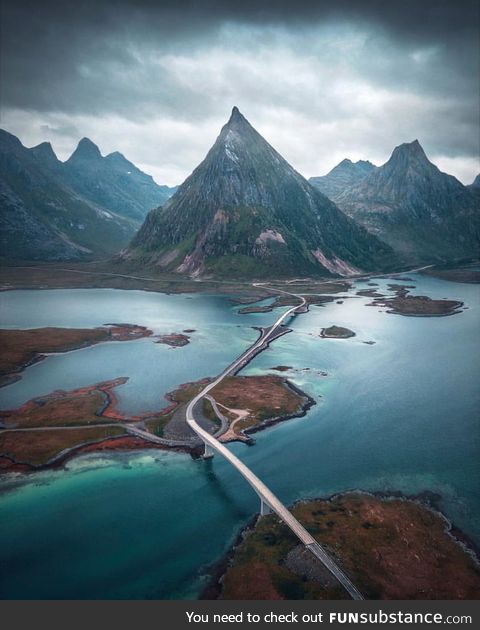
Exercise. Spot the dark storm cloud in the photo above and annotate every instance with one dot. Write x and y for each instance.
(353, 77)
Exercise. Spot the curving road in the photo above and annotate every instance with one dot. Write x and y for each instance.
(268, 501)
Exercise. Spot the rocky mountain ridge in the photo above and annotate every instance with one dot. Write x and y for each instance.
(342, 176)
(53, 210)
(423, 213)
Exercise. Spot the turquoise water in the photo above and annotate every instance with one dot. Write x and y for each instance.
(402, 414)
(153, 369)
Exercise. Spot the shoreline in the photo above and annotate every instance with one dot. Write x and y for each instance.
(426, 499)
(306, 406)
(46, 340)
(128, 441)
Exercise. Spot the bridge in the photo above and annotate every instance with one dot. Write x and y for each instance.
(268, 501)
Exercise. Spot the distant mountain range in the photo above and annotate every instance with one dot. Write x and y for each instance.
(53, 210)
(423, 214)
(342, 176)
(245, 212)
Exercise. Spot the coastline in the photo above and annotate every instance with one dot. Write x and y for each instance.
(128, 441)
(43, 342)
(426, 500)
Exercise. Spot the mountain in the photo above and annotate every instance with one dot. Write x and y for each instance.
(342, 176)
(244, 211)
(113, 182)
(476, 182)
(47, 211)
(424, 214)
(44, 219)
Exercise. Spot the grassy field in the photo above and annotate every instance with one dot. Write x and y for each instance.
(36, 448)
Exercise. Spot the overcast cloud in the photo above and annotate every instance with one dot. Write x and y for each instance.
(320, 80)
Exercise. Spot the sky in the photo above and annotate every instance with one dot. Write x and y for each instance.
(320, 80)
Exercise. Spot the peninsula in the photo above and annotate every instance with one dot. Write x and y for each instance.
(391, 548)
(21, 348)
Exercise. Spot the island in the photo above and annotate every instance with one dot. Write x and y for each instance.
(390, 547)
(402, 303)
(234, 409)
(21, 348)
(336, 332)
(48, 430)
(255, 309)
(175, 340)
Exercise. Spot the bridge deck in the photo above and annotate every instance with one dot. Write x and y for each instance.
(265, 494)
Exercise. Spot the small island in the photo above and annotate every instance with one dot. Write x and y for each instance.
(175, 340)
(391, 548)
(336, 332)
(255, 309)
(416, 305)
(235, 408)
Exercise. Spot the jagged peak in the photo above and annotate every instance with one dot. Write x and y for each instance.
(236, 115)
(237, 122)
(45, 151)
(86, 149)
(410, 149)
(348, 165)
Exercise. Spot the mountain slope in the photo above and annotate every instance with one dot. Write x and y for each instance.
(342, 176)
(424, 214)
(53, 210)
(244, 211)
(476, 182)
(113, 182)
(44, 219)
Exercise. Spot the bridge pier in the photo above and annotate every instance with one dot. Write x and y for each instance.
(264, 508)
(208, 452)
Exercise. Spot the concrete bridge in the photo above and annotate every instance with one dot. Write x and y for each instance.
(268, 501)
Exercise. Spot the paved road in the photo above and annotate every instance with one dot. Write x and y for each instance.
(267, 497)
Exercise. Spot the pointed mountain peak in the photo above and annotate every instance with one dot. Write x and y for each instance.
(235, 115)
(237, 121)
(44, 151)
(237, 140)
(86, 150)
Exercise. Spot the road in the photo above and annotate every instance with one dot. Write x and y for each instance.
(268, 500)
